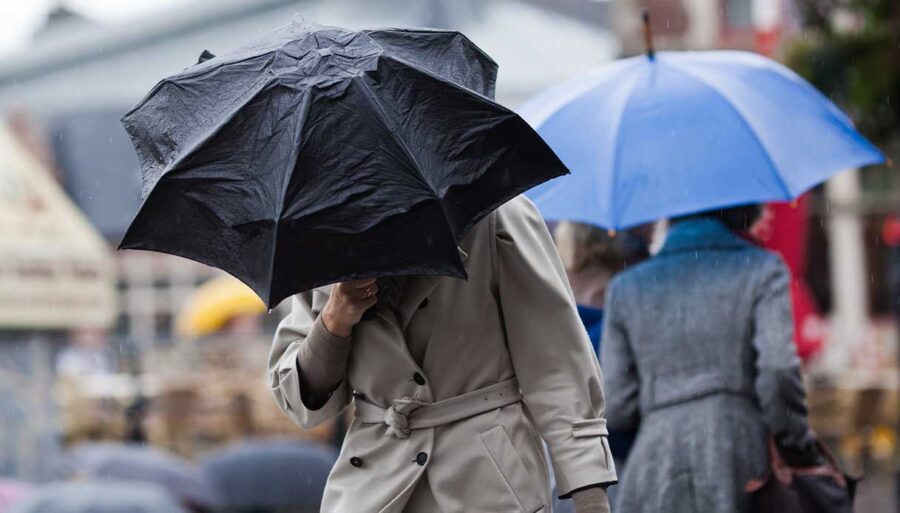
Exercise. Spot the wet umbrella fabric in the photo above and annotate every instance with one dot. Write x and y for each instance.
(686, 132)
(322, 154)
(99, 497)
(270, 474)
(181, 478)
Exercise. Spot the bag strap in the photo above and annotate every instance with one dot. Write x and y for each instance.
(784, 473)
(780, 469)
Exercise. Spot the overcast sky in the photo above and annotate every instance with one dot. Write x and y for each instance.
(19, 18)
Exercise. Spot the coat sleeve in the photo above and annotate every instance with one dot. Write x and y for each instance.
(778, 385)
(300, 327)
(619, 365)
(556, 366)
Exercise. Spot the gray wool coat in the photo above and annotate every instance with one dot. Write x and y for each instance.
(698, 352)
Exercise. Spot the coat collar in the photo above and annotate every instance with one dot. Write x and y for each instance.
(417, 288)
(701, 234)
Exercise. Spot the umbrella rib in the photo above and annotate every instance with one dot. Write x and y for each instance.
(209, 135)
(307, 101)
(382, 117)
(540, 109)
(743, 118)
(617, 150)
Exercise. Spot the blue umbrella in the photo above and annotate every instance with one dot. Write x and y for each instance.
(683, 132)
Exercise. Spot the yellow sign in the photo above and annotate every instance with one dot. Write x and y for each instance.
(56, 271)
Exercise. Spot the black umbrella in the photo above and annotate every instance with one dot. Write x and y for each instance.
(321, 154)
(270, 474)
(109, 496)
(138, 462)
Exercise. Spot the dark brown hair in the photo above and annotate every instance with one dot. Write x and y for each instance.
(737, 219)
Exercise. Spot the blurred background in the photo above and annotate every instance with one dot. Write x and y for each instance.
(99, 346)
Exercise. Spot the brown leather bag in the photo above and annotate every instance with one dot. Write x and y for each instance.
(820, 489)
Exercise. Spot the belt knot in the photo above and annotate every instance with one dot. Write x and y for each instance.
(397, 417)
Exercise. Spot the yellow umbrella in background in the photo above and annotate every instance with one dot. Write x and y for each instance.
(215, 303)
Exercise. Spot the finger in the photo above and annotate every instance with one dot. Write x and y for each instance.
(352, 288)
(369, 303)
(367, 292)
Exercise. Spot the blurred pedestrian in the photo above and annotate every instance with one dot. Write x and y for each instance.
(592, 256)
(455, 382)
(88, 352)
(698, 352)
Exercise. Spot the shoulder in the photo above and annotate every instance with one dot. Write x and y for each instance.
(770, 268)
(516, 214)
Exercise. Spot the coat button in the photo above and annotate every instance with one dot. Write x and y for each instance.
(356, 461)
(424, 303)
(421, 458)
(419, 379)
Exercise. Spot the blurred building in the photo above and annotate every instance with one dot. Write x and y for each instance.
(78, 78)
(56, 275)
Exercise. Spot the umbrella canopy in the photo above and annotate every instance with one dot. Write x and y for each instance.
(12, 492)
(322, 154)
(99, 497)
(213, 304)
(270, 474)
(648, 138)
(181, 478)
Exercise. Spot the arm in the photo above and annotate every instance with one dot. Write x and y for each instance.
(308, 360)
(619, 366)
(778, 385)
(558, 372)
(300, 327)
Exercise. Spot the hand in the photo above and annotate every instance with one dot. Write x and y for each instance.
(346, 305)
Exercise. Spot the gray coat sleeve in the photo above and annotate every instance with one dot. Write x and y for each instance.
(778, 385)
(619, 366)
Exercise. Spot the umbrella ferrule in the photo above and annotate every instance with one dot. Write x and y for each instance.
(648, 34)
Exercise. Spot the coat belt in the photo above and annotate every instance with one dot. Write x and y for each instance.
(406, 413)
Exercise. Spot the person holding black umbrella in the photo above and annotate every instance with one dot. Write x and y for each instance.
(456, 383)
(377, 160)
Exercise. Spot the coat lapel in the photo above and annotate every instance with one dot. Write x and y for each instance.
(417, 289)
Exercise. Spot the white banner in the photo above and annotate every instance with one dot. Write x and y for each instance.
(56, 271)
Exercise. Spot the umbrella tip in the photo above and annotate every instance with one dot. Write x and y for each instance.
(648, 34)
(205, 56)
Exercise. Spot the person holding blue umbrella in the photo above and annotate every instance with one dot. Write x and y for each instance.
(673, 133)
(697, 347)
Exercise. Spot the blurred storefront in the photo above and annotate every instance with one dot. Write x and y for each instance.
(56, 275)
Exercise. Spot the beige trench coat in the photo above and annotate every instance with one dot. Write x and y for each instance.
(513, 317)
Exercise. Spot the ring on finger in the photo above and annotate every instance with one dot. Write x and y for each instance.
(370, 292)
